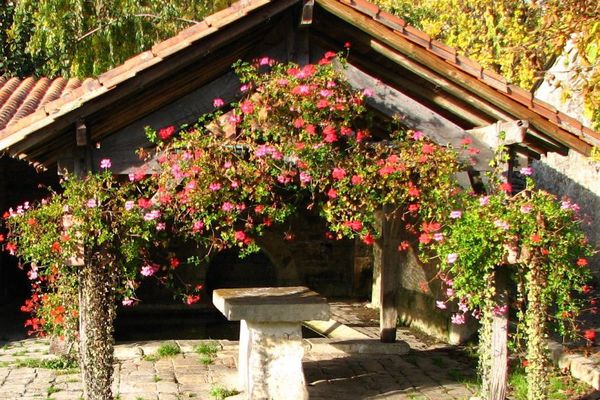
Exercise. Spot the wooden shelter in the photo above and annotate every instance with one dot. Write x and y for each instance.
(72, 124)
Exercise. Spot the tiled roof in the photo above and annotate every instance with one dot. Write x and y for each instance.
(29, 105)
(19, 98)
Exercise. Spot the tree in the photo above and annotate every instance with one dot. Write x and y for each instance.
(85, 38)
(516, 38)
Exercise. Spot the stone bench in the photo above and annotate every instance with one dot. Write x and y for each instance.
(271, 349)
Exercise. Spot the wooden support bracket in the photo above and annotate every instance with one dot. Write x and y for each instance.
(501, 133)
(307, 13)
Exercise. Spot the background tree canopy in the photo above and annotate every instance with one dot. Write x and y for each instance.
(85, 38)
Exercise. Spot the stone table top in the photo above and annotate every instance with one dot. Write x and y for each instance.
(271, 304)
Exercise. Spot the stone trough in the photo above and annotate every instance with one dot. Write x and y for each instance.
(270, 347)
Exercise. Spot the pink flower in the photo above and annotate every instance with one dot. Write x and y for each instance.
(105, 163)
(161, 226)
(283, 82)
(458, 319)
(462, 306)
(331, 193)
(152, 215)
(91, 203)
(438, 237)
(304, 177)
(441, 305)
(244, 87)
(451, 258)
(449, 292)
(302, 90)
(417, 135)
(218, 102)
(227, 206)
(500, 310)
(455, 214)
(356, 179)
(127, 302)
(198, 226)
(129, 204)
(325, 92)
(526, 171)
(526, 208)
(484, 201)
(247, 107)
(368, 92)
(149, 269)
(502, 224)
(214, 186)
(354, 225)
(265, 61)
(338, 173)
(32, 274)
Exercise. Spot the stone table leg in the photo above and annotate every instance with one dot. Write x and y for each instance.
(274, 361)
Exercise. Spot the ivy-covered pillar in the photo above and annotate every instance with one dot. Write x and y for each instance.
(97, 281)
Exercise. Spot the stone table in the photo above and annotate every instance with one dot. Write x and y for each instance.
(271, 350)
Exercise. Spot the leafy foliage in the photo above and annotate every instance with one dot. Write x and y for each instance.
(86, 38)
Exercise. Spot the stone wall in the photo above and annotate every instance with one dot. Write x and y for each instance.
(576, 178)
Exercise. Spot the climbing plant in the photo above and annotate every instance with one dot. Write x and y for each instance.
(299, 138)
(537, 242)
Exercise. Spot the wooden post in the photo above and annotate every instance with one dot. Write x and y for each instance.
(384, 255)
(499, 351)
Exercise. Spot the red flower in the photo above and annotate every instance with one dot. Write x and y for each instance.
(466, 141)
(166, 132)
(310, 129)
(425, 238)
(585, 289)
(525, 363)
(354, 225)
(404, 245)
(368, 239)
(506, 187)
(347, 45)
(473, 150)
(298, 122)
(191, 299)
(240, 236)
(331, 193)
(535, 238)
(1, 238)
(329, 235)
(582, 262)
(413, 207)
(174, 262)
(590, 335)
(413, 191)
(427, 148)
(56, 247)
(338, 173)
(329, 54)
(362, 135)
(11, 248)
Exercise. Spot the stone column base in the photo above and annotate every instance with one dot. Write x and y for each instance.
(270, 364)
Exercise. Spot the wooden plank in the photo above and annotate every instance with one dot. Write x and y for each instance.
(388, 311)
(426, 58)
(499, 367)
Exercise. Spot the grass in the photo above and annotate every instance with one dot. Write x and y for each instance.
(220, 393)
(207, 351)
(62, 364)
(52, 389)
(561, 386)
(165, 350)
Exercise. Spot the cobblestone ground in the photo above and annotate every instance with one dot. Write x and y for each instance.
(329, 375)
(430, 371)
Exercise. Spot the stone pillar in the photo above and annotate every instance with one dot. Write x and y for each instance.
(274, 361)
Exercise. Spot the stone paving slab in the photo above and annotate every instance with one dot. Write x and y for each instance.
(329, 375)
